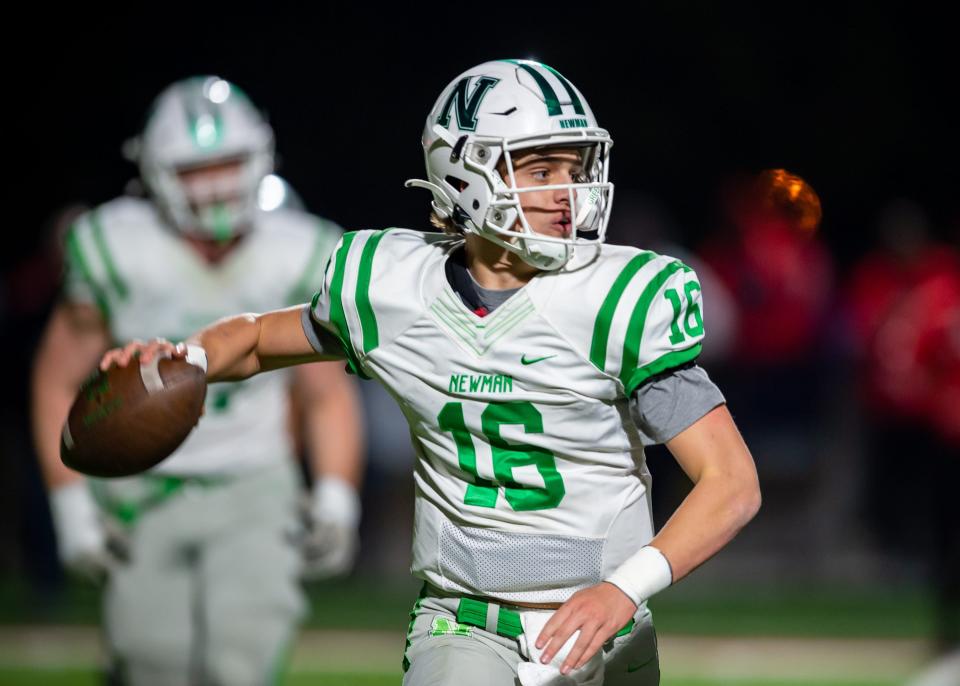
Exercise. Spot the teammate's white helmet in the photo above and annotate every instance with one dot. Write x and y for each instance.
(487, 114)
(196, 123)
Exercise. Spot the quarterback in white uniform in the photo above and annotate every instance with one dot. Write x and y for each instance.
(533, 363)
(200, 554)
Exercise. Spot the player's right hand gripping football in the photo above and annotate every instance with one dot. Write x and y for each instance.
(87, 544)
(146, 350)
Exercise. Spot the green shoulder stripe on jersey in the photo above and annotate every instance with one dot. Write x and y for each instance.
(77, 261)
(638, 320)
(337, 316)
(304, 287)
(601, 327)
(662, 364)
(118, 284)
(368, 320)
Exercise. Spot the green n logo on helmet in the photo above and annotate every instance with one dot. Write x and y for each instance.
(550, 99)
(466, 106)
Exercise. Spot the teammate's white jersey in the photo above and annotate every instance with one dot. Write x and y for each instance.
(531, 481)
(148, 282)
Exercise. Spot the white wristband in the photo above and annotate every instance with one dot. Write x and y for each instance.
(196, 356)
(334, 499)
(645, 573)
(76, 520)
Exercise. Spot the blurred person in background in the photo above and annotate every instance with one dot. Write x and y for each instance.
(780, 276)
(202, 555)
(903, 314)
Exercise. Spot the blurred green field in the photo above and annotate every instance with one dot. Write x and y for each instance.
(359, 603)
(716, 637)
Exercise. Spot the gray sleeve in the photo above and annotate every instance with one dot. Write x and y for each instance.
(322, 340)
(667, 405)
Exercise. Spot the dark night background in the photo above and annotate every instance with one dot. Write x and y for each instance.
(853, 97)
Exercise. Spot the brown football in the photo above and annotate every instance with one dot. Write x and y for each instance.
(127, 419)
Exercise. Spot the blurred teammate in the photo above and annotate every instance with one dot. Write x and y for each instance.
(532, 363)
(201, 555)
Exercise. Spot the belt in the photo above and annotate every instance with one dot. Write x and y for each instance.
(159, 489)
(501, 621)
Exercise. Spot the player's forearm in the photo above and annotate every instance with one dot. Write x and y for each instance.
(717, 508)
(244, 345)
(50, 405)
(725, 496)
(75, 336)
(334, 432)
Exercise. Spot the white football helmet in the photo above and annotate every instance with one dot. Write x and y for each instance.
(196, 123)
(487, 114)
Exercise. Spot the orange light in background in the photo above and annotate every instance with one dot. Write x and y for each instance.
(790, 196)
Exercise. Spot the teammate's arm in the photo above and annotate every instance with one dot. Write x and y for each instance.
(74, 339)
(329, 421)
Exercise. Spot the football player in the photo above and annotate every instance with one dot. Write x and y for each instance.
(201, 555)
(533, 362)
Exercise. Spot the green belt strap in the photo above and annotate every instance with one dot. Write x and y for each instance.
(474, 613)
(627, 628)
(161, 487)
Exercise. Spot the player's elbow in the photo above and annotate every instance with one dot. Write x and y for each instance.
(748, 501)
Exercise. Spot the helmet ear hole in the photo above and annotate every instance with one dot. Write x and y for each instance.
(458, 184)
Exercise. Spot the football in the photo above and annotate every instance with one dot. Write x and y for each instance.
(127, 419)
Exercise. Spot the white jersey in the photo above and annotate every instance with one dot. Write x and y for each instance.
(530, 474)
(148, 282)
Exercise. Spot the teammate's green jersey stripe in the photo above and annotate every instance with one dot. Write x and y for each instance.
(574, 98)
(368, 320)
(304, 287)
(668, 361)
(112, 274)
(634, 337)
(549, 95)
(337, 315)
(76, 259)
(601, 327)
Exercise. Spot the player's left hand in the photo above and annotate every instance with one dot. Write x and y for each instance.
(598, 612)
(331, 542)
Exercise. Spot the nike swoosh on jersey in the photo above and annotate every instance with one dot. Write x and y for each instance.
(525, 361)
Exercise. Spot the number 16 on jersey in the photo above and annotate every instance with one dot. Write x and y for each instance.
(506, 456)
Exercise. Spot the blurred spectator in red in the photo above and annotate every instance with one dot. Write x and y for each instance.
(903, 309)
(778, 271)
(768, 255)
